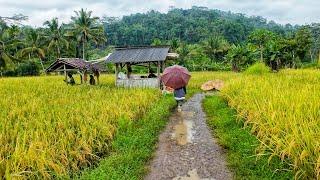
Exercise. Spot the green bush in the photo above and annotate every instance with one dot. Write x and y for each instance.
(30, 68)
(258, 68)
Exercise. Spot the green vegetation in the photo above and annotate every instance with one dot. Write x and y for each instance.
(133, 145)
(258, 69)
(22, 44)
(53, 131)
(206, 39)
(241, 144)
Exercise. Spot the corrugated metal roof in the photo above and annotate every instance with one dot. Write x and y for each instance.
(138, 55)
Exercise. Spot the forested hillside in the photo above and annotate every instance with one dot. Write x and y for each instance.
(206, 39)
(191, 26)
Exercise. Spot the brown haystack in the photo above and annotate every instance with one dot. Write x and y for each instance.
(213, 85)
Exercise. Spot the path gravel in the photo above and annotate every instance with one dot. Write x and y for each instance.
(187, 150)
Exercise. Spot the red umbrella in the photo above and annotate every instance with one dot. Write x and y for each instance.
(175, 77)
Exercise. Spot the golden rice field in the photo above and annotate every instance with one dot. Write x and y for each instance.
(284, 112)
(48, 129)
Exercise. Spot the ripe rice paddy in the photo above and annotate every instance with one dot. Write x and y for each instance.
(50, 130)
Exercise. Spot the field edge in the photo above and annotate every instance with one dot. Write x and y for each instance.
(240, 144)
(134, 145)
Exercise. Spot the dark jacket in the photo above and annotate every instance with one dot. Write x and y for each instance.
(181, 92)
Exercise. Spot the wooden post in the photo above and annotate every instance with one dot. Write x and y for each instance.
(129, 70)
(163, 66)
(117, 72)
(162, 69)
(65, 73)
(158, 74)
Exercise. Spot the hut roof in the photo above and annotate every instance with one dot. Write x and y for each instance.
(139, 54)
(71, 63)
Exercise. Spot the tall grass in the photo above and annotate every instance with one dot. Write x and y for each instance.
(283, 110)
(49, 129)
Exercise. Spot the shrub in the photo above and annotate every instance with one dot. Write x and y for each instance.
(29, 68)
(258, 69)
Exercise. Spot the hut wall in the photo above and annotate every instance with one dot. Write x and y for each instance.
(145, 82)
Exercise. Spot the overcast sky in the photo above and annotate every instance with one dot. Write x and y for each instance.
(281, 11)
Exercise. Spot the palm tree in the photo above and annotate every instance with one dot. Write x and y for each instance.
(8, 46)
(86, 28)
(260, 37)
(174, 43)
(215, 47)
(55, 37)
(33, 47)
(5, 58)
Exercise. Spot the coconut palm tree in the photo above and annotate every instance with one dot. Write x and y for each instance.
(86, 28)
(5, 58)
(8, 46)
(55, 38)
(33, 47)
(260, 37)
(216, 47)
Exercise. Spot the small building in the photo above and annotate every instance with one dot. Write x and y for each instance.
(147, 57)
(77, 65)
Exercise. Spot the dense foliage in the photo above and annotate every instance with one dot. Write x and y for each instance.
(206, 39)
(19, 45)
(209, 39)
(191, 26)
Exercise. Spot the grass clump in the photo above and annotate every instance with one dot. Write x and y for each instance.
(257, 69)
(241, 144)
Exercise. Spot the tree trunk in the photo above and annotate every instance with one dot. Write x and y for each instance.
(42, 65)
(58, 49)
(235, 67)
(261, 53)
(83, 55)
(319, 58)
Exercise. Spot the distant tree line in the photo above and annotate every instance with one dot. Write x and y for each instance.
(206, 39)
(191, 26)
(209, 39)
(25, 50)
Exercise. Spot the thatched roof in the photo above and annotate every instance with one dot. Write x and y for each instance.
(139, 54)
(72, 64)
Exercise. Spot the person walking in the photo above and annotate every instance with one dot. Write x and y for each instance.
(180, 96)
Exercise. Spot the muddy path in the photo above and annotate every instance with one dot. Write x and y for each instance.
(186, 149)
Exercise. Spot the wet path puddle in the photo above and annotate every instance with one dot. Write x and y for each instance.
(192, 175)
(182, 131)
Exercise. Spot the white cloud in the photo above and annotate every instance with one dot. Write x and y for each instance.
(281, 11)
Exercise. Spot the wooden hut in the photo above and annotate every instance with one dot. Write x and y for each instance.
(140, 56)
(76, 65)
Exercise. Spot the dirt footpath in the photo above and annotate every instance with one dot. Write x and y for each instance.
(186, 149)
